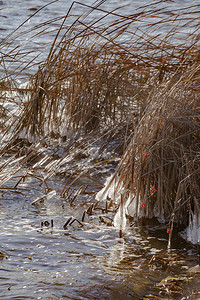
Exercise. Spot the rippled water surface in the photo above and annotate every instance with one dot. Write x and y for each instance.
(34, 43)
(80, 262)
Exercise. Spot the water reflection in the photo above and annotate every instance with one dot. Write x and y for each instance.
(88, 262)
(78, 264)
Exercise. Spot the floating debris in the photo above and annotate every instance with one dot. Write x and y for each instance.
(3, 254)
(75, 220)
(173, 285)
(65, 225)
(108, 221)
(46, 223)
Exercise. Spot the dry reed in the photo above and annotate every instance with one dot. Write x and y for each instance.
(134, 78)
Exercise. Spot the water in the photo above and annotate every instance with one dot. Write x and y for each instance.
(29, 45)
(80, 262)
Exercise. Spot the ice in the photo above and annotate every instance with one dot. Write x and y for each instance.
(120, 218)
(192, 232)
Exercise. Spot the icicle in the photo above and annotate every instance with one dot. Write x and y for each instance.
(120, 218)
(193, 229)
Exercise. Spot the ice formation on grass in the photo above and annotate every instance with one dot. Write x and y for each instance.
(130, 207)
(192, 232)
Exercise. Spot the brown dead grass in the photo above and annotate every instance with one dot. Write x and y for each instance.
(140, 69)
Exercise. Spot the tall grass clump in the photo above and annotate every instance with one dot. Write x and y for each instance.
(160, 169)
(133, 77)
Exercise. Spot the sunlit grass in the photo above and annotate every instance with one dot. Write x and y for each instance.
(131, 77)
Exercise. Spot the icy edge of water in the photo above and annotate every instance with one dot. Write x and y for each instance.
(114, 190)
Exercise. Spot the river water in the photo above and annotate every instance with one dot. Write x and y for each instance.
(80, 262)
(30, 44)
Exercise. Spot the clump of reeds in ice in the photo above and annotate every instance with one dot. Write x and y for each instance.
(159, 170)
(139, 72)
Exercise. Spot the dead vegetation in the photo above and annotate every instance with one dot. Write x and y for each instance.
(133, 80)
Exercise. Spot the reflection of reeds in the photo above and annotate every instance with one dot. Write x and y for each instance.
(125, 73)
